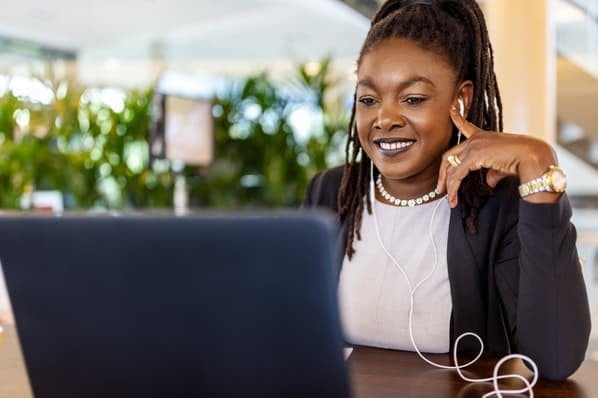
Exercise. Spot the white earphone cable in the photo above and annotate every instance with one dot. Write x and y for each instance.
(495, 377)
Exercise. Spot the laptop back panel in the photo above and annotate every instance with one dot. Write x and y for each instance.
(166, 307)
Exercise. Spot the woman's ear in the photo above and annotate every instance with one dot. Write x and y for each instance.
(464, 95)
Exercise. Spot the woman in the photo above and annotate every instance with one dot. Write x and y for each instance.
(450, 226)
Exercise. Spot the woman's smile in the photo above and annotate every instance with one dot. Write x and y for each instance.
(393, 146)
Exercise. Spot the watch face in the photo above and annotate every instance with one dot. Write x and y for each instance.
(558, 179)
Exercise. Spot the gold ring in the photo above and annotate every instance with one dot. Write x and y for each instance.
(454, 160)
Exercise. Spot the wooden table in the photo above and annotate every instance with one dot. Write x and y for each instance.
(379, 373)
(375, 373)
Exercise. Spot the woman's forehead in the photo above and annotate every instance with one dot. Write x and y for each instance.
(403, 59)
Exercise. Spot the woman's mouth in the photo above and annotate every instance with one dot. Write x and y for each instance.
(393, 146)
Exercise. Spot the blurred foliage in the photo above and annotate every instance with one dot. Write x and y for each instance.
(92, 145)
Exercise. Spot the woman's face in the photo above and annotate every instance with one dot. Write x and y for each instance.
(404, 95)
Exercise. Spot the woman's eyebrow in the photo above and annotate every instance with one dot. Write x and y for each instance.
(366, 84)
(400, 85)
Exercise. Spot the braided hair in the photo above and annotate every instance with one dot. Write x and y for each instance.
(456, 30)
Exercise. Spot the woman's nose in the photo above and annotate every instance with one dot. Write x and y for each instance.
(389, 118)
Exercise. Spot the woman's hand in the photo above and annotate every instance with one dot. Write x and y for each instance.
(503, 154)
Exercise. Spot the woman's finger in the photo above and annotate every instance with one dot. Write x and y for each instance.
(468, 129)
(445, 166)
(457, 175)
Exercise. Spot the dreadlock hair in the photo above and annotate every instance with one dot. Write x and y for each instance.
(455, 29)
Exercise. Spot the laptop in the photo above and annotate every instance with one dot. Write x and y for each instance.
(200, 306)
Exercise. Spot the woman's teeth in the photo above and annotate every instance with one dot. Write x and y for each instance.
(390, 146)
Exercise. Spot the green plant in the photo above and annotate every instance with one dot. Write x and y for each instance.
(260, 160)
(91, 144)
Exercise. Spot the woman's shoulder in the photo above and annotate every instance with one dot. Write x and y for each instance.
(322, 190)
(331, 176)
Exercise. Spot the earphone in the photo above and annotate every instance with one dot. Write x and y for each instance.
(462, 113)
(495, 377)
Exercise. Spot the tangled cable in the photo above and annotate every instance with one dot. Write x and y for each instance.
(495, 376)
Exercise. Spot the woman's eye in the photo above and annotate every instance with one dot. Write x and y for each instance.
(367, 101)
(414, 100)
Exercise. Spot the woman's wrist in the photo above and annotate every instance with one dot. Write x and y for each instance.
(536, 161)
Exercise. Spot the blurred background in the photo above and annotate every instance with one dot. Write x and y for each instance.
(154, 105)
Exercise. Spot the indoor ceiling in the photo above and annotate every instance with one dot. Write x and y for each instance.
(189, 28)
(127, 42)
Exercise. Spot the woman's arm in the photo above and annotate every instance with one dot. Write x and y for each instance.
(547, 304)
(541, 286)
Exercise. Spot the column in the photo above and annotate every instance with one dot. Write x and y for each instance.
(523, 37)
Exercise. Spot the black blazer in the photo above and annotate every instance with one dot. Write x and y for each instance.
(517, 283)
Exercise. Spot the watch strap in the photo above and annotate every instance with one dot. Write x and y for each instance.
(543, 183)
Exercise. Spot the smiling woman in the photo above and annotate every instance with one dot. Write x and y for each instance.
(497, 258)
(401, 115)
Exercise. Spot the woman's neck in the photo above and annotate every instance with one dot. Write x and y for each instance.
(409, 188)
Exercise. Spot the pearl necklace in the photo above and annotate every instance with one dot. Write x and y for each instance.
(402, 202)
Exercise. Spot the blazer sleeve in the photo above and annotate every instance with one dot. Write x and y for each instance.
(547, 306)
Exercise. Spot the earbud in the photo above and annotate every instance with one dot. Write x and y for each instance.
(462, 112)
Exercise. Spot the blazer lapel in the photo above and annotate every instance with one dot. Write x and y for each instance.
(466, 288)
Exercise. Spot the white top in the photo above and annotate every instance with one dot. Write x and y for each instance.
(373, 293)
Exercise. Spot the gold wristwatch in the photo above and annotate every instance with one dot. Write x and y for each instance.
(554, 180)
